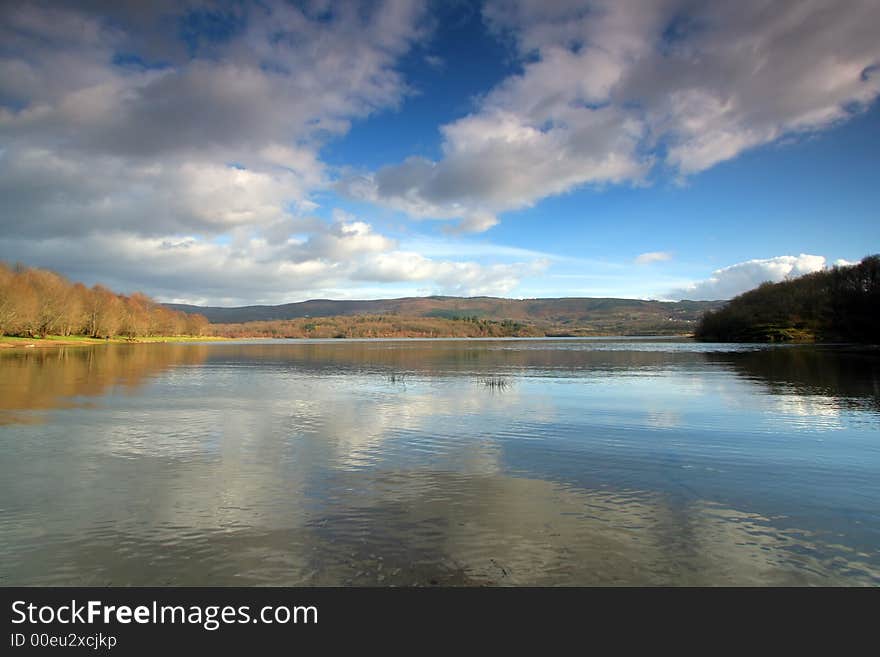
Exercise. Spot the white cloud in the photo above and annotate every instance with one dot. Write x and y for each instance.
(610, 88)
(324, 260)
(130, 156)
(221, 135)
(499, 162)
(652, 256)
(49, 192)
(459, 278)
(730, 281)
(195, 177)
(341, 241)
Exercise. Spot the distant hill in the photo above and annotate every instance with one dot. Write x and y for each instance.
(577, 316)
(840, 304)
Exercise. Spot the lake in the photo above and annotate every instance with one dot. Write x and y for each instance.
(440, 462)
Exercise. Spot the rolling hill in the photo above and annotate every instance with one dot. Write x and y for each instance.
(564, 316)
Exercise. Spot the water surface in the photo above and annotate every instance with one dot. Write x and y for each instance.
(420, 462)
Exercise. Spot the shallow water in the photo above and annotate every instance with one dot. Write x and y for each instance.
(462, 462)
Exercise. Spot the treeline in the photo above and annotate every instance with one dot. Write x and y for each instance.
(839, 304)
(36, 302)
(375, 326)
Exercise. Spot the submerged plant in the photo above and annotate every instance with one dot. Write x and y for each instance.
(496, 382)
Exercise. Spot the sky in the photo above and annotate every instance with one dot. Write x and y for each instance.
(229, 153)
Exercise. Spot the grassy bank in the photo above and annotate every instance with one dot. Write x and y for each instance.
(9, 341)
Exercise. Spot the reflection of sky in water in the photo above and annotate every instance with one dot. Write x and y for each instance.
(597, 462)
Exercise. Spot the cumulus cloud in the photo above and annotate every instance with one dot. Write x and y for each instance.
(92, 104)
(140, 149)
(459, 278)
(652, 256)
(335, 260)
(611, 90)
(187, 167)
(496, 162)
(50, 192)
(102, 115)
(730, 281)
(278, 72)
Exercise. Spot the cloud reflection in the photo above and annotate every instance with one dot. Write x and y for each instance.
(303, 464)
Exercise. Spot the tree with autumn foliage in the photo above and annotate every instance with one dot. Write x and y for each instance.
(37, 302)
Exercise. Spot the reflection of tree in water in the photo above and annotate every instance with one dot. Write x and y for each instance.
(38, 379)
(851, 375)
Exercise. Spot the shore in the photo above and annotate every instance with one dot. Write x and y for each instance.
(9, 342)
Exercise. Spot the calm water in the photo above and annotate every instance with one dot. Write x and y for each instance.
(502, 462)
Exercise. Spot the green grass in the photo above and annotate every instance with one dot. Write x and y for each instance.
(85, 340)
(50, 338)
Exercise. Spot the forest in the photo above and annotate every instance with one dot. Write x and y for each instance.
(838, 304)
(36, 303)
(377, 326)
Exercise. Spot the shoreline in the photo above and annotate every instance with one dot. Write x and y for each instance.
(14, 342)
(10, 342)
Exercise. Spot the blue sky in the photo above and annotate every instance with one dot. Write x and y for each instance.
(230, 153)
